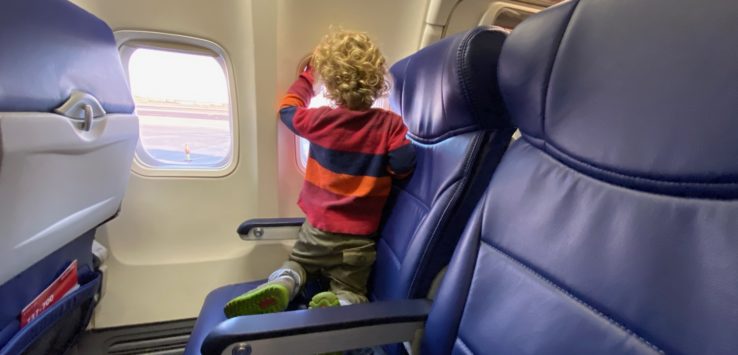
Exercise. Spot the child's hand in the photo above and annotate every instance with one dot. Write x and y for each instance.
(306, 65)
(306, 72)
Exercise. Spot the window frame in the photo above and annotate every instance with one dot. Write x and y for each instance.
(544, 3)
(297, 139)
(125, 39)
(499, 7)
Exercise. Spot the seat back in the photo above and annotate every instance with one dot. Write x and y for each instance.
(611, 227)
(448, 98)
(60, 175)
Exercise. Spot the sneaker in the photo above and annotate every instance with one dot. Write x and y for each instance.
(324, 299)
(268, 298)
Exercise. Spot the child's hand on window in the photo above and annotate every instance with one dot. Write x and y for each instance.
(305, 64)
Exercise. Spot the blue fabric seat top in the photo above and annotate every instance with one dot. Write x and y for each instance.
(48, 48)
(611, 227)
(448, 96)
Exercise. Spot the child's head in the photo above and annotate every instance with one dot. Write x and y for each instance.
(351, 67)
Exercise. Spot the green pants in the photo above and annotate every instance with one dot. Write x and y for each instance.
(344, 259)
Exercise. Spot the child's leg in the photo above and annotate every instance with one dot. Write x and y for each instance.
(348, 280)
(345, 259)
(308, 253)
(341, 293)
(272, 296)
(292, 274)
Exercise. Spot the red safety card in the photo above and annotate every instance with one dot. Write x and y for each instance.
(63, 284)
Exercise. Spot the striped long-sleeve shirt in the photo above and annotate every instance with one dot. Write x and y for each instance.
(353, 157)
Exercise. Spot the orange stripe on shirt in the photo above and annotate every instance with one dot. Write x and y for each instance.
(291, 100)
(346, 185)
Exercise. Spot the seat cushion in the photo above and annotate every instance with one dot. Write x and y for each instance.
(212, 312)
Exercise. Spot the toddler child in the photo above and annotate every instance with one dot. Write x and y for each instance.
(355, 151)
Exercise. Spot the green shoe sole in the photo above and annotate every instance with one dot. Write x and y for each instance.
(324, 299)
(268, 298)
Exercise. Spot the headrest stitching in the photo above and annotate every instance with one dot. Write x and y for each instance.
(463, 75)
(555, 154)
(436, 139)
(546, 84)
(462, 67)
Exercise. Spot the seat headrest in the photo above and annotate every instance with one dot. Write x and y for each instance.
(49, 48)
(631, 90)
(450, 87)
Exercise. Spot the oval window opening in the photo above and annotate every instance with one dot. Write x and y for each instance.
(183, 104)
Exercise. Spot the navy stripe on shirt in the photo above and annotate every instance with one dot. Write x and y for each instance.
(349, 163)
(402, 160)
(287, 115)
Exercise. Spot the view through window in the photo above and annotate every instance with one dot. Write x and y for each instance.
(182, 101)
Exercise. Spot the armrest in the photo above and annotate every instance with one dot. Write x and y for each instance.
(256, 226)
(320, 330)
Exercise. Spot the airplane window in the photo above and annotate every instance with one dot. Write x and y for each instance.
(319, 100)
(183, 105)
(509, 18)
(544, 2)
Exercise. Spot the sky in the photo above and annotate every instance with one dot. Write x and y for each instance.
(166, 75)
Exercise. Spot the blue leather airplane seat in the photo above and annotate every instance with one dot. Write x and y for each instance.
(611, 227)
(448, 96)
(67, 137)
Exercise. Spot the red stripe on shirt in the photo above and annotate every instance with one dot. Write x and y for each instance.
(341, 214)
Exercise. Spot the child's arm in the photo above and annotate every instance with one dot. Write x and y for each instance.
(293, 105)
(401, 151)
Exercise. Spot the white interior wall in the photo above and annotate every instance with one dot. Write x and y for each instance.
(175, 239)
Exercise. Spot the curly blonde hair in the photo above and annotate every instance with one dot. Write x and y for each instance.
(351, 67)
